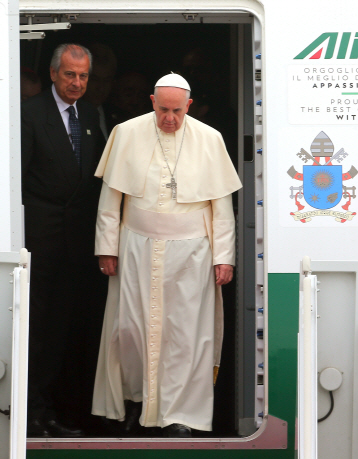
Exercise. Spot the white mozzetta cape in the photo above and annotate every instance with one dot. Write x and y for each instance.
(204, 171)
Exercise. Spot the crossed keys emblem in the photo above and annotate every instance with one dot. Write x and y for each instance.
(339, 157)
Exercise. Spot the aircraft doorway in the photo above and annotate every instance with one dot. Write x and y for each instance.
(217, 60)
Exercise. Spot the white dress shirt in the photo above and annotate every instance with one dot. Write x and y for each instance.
(63, 106)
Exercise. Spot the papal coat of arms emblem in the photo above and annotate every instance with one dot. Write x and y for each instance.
(322, 184)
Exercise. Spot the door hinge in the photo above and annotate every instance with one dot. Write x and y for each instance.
(72, 16)
(190, 16)
(6, 412)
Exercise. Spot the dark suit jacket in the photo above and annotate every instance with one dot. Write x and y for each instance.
(112, 116)
(60, 199)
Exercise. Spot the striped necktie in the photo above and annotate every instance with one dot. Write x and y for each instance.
(75, 128)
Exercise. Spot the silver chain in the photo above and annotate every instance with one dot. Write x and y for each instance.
(161, 146)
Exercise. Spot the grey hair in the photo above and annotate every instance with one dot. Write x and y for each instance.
(77, 52)
(187, 92)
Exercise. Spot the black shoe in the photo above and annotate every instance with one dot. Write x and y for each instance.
(36, 428)
(177, 431)
(133, 412)
(58, 430)
(101, 427)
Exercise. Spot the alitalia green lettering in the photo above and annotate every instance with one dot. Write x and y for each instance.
(344, 45)
(354, 52)
(332, 37)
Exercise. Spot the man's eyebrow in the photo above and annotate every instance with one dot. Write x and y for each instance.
(73, 71)
(166, 108)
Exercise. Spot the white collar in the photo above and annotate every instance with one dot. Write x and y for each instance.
(62, 105)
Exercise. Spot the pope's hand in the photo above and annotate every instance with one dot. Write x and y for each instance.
(223, 274)
(108, 264)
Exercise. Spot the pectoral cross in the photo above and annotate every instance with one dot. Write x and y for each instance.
(173, 186)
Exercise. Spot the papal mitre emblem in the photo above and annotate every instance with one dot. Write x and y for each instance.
(322, 146)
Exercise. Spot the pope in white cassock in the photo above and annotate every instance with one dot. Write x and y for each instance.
(167, 257)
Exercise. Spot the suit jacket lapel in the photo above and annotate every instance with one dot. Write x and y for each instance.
(58, 136)
(86, 141)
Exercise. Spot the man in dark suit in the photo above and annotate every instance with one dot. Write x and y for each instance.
(100, 85)
(61, 146)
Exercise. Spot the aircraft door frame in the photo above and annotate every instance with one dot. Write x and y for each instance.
(262, 438)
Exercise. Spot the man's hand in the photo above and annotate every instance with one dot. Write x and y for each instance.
(223, 274)
(108, 264)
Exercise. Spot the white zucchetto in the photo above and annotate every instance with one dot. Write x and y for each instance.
(173, 80)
